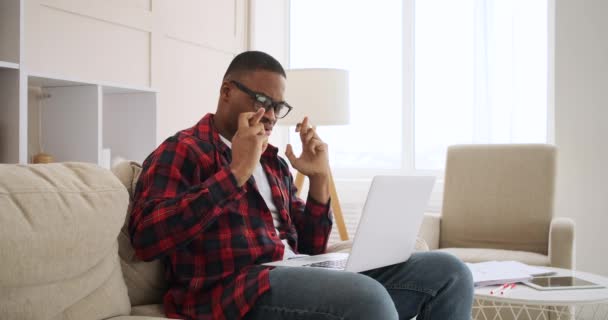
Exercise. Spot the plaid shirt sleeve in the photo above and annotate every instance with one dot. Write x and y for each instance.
(312, 220)
(170, 209)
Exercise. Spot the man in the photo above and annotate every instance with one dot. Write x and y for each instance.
(215, 201)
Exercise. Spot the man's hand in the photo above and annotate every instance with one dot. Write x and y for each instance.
(248, 143)
(313, 162)
(314, 159)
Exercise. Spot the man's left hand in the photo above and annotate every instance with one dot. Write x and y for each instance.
(314, 161)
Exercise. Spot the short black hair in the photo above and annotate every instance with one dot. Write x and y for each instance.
(249, 61)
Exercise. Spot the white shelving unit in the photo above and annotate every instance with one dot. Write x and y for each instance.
(82, 121)
(9, 115)
(128, 122)
(8, 65)
(10, 50)
(11, 22)
(73, 119)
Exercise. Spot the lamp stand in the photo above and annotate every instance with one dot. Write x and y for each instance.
(335, 203)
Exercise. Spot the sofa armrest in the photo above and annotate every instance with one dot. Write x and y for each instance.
(561, 243)
(429, 230)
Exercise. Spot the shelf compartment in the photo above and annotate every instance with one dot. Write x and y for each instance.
(70, 123)
(129, 123)
(10, 30)
(92, 121)
(9, 116)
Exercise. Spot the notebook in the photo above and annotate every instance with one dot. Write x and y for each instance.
(500, 272)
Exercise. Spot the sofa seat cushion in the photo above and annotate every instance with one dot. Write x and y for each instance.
(474, 255)
(137, 318)
(58, 248)
(150, 310)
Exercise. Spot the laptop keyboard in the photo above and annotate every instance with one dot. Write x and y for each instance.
(332, 264)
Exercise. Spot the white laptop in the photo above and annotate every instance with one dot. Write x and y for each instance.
(387, 230)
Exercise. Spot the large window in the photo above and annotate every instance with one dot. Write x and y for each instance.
(363, 37)
(480, 75)
(477, 73)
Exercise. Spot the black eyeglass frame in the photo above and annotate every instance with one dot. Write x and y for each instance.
(264, 100)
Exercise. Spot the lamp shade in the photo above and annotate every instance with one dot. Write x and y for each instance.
(320, 94)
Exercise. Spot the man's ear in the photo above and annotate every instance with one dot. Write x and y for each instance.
(225, 91)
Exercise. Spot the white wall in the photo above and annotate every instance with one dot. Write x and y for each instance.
(581, 126)
(269, 32)
(182, 50)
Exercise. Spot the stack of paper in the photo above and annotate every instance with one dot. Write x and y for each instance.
(501, 272)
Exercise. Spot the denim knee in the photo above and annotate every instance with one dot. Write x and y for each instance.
(369, 299)
(458, 271)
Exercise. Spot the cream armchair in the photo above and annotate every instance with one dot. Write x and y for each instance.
(498, 205)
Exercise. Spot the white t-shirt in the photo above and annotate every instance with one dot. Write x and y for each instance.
(261, 181)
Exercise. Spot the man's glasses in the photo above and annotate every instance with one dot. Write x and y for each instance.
(281, 108)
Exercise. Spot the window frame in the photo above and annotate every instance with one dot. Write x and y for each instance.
(408, 165)
(407, 100)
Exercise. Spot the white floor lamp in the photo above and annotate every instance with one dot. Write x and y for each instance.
(322, 95)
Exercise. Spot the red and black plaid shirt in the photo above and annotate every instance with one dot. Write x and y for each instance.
(212, 234)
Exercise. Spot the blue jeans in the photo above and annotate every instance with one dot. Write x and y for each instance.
(431, 285)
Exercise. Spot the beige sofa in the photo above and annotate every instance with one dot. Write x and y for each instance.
(64, 249)
(59, 251)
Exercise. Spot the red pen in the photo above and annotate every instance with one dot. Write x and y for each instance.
(510, 287)
(504, 286)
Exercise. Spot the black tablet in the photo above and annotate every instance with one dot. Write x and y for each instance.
(561, 283)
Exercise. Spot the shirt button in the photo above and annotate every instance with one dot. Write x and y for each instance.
(272, 234)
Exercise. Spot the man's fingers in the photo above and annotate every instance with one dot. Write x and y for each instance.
(322, 146)
(308, 136)
(248, 119)
(289, 154)
(264, 142)
(316, 145)
(301, 127)
(244, 119)
(304, 126)
(305, 122)
(258, 129)
(264, 139)
(257, 116)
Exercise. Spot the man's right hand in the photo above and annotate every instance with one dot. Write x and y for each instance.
(248, 143)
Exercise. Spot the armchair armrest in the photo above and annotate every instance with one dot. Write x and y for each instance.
(561, 243)
(429, 230)
(346, 246)
(342, 246)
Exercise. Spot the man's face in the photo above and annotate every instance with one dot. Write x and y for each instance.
(267, 83)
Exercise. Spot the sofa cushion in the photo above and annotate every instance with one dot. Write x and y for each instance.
(138, 318)
(474, 255)
(145, 281)
(150, 310)
(58, 248)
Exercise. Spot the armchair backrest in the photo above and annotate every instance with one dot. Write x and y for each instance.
(498, 197)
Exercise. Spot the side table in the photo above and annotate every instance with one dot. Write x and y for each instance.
(524, 302)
